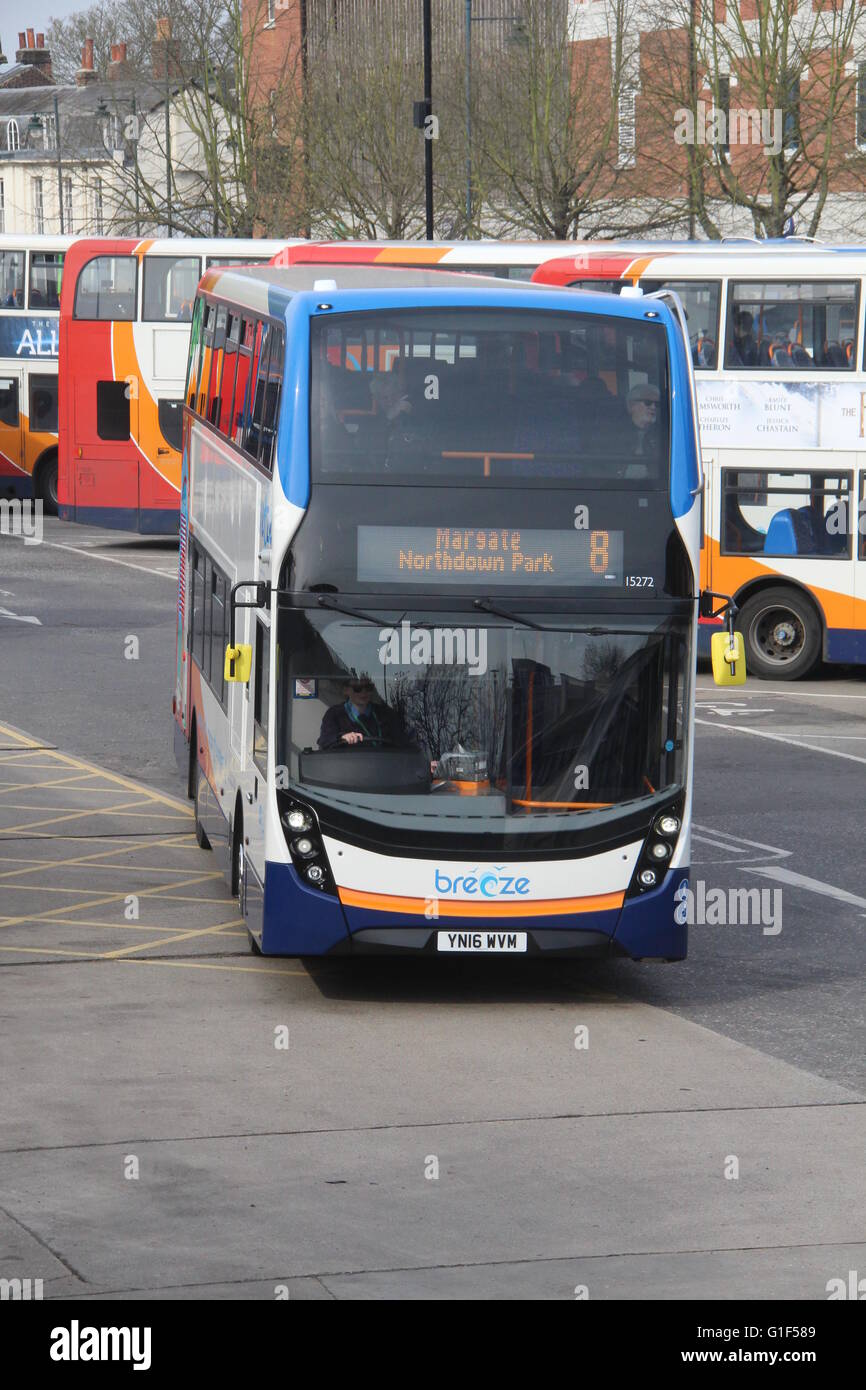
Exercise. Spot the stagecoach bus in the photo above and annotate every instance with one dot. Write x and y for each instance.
(31, 269)
(125, 318)
(778, 348)
(437, 606)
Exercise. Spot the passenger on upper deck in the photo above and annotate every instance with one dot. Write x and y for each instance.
(642, 403)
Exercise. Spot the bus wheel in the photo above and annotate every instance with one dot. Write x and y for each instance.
(782, 634)
(200, 832)
(46, 485)
(239, 864)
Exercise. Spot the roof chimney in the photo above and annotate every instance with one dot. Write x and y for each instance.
(118, 67)
(32, 53)
(86, 73)
(165, 51)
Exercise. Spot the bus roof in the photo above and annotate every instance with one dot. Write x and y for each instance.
(269, 289)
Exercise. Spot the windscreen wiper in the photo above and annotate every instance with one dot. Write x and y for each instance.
(488, 606)
(325, 601)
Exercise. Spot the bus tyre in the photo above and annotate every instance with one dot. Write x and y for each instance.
(239, 863)
(781, 633)
(47, 485)
(200, 832)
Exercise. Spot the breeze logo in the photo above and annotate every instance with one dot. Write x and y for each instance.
(487, 884)
(76, 1343)
(738, 907)
(434, 646)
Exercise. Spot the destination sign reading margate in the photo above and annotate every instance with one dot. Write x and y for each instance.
(489, 555)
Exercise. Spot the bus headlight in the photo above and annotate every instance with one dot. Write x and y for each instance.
(304, 847)
(648, 878)
(296, 820)
(315, 873)
(667, 825)
(660, 850)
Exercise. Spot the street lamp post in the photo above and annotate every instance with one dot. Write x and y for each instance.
(428, 102)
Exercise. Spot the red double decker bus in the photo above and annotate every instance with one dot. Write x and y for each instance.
(125, 317)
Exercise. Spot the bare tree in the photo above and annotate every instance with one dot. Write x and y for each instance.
(753, 115)
(549, 121)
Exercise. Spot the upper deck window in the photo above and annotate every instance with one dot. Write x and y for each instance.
(700, 300)
(468, 396)
(12, 279)
(46, 273)
(106, 289)
(792, 326)
(170, 283)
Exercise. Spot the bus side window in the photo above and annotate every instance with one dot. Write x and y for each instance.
(196, 633)
(861, 524)
(261, 695)
(106, 289)
(196, 343)
(227, 386)
(700, 299)
(216, 364)
(8, 400)
(46, 268)
(12, 279)
(781, 514)
(242, 381)
(169, 288)
(219, 635)
(253, 434)
(207, 356)
(792, 325)
(272, 397)
(43, 404)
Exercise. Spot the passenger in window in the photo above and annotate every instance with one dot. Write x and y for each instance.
(642, 403)
(744, 338)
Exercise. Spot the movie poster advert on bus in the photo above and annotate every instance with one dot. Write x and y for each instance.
(782, 415)
(27, 336)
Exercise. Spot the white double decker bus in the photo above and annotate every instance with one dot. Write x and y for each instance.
(437, 608)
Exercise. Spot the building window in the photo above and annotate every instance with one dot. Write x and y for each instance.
(272, 11)
(791, 114)
(67, 206)
(627, 139)
(38, 208)
(115, 132)
(724, 107)
(860, 127)
(98, 211)
(2, 208)
(49, 133)
(13, 136)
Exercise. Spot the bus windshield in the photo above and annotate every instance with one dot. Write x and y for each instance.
(463, 395)
(450, 718)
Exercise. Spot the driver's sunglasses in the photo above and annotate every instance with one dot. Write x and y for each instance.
(361, 689)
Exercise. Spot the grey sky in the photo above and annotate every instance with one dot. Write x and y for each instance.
(16, 15)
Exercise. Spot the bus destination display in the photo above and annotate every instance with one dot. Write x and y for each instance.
(490, 555)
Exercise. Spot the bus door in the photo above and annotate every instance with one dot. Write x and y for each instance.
(11, 423)
(105, 461)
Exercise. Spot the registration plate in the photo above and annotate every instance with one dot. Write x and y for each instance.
(474, 941)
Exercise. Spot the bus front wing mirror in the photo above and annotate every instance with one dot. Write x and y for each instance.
(239, 655)
(727, 648)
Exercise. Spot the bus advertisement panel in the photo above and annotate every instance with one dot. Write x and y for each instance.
(437, 607)
(31, 270)
(777, 338)
(124, 340)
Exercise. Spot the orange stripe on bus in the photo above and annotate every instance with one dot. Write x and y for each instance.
(491, 907)
(411, 255)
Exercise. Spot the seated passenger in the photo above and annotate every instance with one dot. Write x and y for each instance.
(642, 403)
(358, 720)
(743, 340)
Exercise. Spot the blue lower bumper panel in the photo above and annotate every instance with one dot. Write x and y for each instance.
(297, 920)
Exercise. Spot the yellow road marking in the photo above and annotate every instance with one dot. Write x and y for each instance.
(128, 806)
(82, 766)
(100, 901)
(167, 940)
(108, 926)
(63, 782)
(143, 960)
(90, 860)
